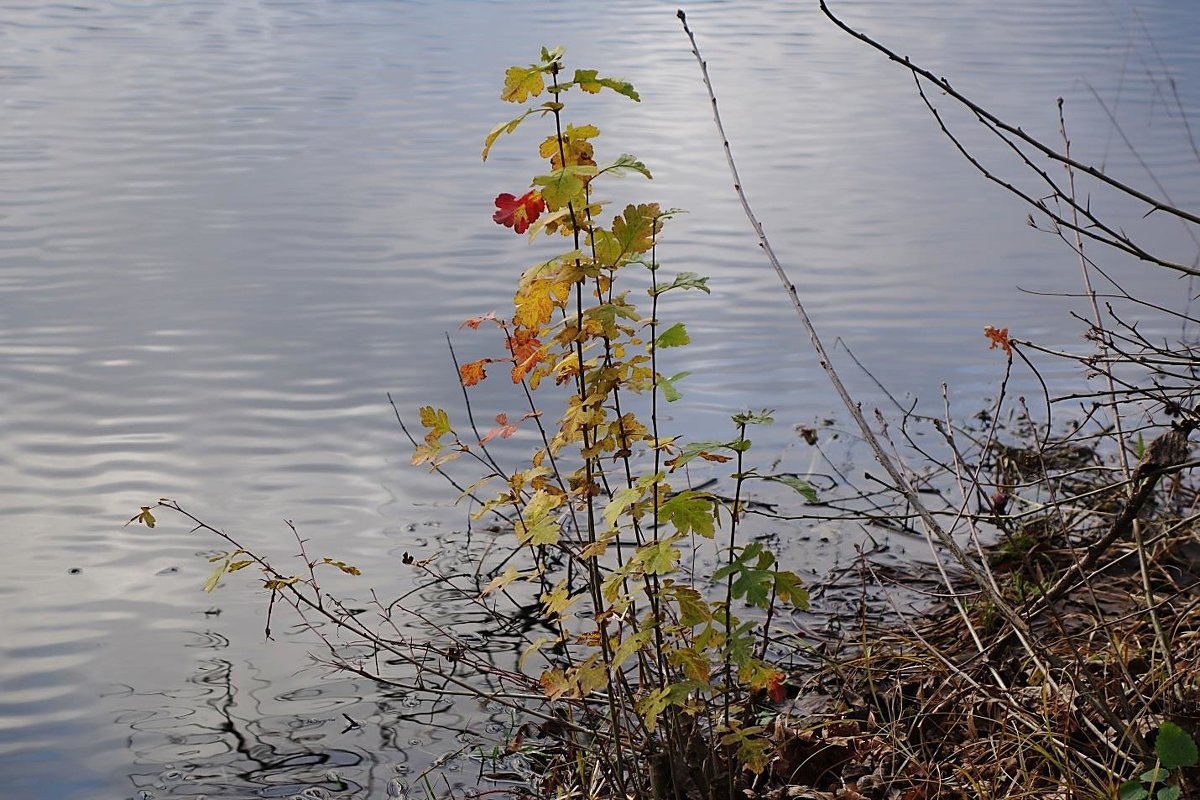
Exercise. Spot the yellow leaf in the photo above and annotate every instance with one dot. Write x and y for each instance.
(343, 566)
(558, 600)
(631, 645)
(539, 524)
(590, 676)
(621, 501)
(500, 581)
(595, 549)
(435, 419)
(534, 647)
(573, 144)
(213, 579)
(275, 584)
(521, 82)
(554, 683)
(143, 516)
(503, 127)
(425, 452)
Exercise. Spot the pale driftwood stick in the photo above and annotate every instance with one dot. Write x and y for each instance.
(1020, 629)
(855, 409)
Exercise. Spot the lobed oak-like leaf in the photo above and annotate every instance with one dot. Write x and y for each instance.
(674, 336)
(590, 81)
(684, 280)
(473, 372)
(573, 144)
(504, 429)
(689, 512)
(518, 212)
(670, 392)
(522, 82)
(802, 487)
(998, 338)
(564, 186)
(626, 164)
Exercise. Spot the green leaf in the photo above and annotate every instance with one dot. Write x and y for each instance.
(621, 501)
(692, 609)
(591, 82)
(1132, 790)
(790, 589)
(689, 512)
(674, 336)
(1175, 747)
(1155, 775)
(552, 57)
(564, 185)
(754, 573)
(695, 664)
(752, 418)
(652, 705)
(657, 557)
(685, 280)
(668, 386)
(808, 492)
(1168, 793)
(755, 586)
(625, 164)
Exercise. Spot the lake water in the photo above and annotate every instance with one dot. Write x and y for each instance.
(229, 227)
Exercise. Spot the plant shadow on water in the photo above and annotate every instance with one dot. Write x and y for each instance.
(232, 733)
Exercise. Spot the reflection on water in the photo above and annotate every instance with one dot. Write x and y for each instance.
(229, 227)
(233, 732)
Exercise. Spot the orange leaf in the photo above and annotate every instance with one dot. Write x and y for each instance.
(518, 212)
(472, 373)
(999, 338)
(526, 349)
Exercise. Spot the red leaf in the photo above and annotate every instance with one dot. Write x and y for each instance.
(518, 212)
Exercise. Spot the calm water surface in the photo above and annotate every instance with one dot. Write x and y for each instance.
(228, 229)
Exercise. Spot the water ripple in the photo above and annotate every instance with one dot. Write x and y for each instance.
(229, 227)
